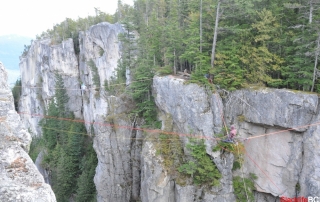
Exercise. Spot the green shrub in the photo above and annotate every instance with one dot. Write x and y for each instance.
(16, 92)
(101, 51)
(244, 187)
(37, 145)
(166, 70)
(170, 149)
(95, 73)
(237, 150)
(201, 169)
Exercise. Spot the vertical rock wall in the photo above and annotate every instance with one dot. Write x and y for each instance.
(19, 178)
(281, 147)
(38, 79)
(118, 172)
(279, 158)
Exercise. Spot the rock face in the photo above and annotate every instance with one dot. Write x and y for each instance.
(117, 174)
(38, 79)
(277, 125)
(281, 149)
(197, 112)
(118, 150)
(19, 178)
(274, 126)
(100, 46)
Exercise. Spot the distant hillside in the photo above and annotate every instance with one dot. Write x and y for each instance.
(11, 47)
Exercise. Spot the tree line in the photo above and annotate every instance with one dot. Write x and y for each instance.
(269, 43)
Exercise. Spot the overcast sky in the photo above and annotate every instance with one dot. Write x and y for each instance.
(32, 17)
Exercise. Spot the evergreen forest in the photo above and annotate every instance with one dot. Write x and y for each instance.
(68, 151)
(240, 42)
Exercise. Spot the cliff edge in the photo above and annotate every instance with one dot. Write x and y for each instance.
(19, 178)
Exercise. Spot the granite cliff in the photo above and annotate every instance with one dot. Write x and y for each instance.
(277, 127)
(19, 178)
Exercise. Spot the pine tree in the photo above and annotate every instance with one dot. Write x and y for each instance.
(16, 92)
(86, 190)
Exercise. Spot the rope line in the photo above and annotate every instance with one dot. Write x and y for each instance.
(281, 131)
(122, 126)
(149, 139)
(127, 138)
(262, 170)
(161, 131)
(87, 88)
(247, 140)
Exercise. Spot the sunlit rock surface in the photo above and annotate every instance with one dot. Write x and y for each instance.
(19, 178)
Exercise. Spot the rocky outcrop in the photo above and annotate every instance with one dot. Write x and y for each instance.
(156, 183)
(309, 178)
(38, 79)
(198, 112)
(274, 121)
(273, 107)
(100, 46)
(118, 150)
(19, 177)
(281, 147)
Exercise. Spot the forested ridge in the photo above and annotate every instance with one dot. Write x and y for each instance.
(269, 43)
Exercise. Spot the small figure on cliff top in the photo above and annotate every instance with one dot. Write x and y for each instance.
(209, 77)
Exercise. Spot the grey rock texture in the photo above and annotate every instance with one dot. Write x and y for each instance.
(38, 70)
(40, 168)
(184, 193)
(100, 45)
(118, 150)
(309, 178)
(156, 184)
(284, 159)
(278, 158)
(198, 112)
(19, 177)
(262, 197)
(273, 107)
(118, 172)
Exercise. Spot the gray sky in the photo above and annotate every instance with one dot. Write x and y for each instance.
(32, 17)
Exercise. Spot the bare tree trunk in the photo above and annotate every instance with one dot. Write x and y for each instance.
(310, 11)
(174, 63)
(315, 63)
(147, 19)
(201, 26)
(214, 43)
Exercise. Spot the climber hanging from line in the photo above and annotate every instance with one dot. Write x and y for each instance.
(231, 134)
